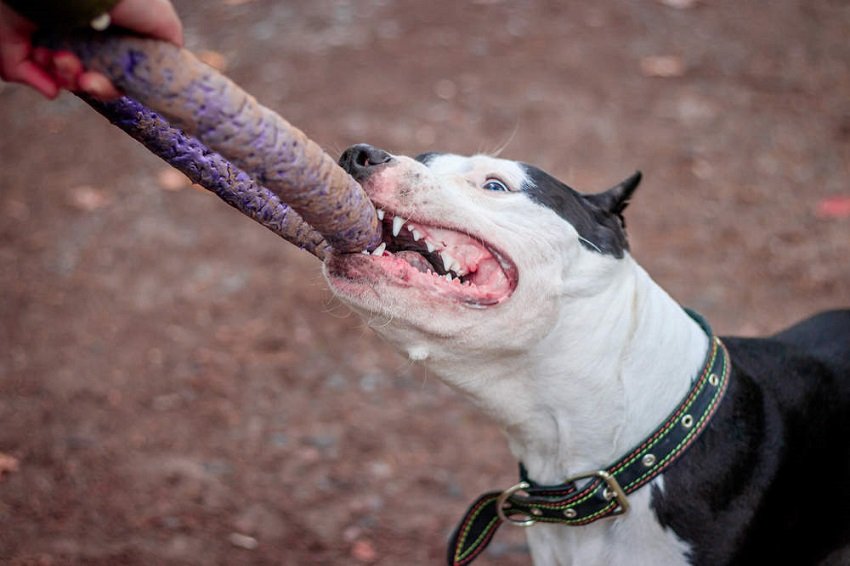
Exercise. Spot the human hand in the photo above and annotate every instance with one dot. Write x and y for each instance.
(49, 71)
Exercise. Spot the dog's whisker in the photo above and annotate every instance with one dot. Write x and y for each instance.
(589, 243)
(333, 306)
(382, 324)
(504, 145)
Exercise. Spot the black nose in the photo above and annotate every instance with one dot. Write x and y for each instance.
(362, 160)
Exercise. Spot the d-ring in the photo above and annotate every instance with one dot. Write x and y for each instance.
(503, 498)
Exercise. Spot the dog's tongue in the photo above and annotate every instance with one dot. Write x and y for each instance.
(415, 259)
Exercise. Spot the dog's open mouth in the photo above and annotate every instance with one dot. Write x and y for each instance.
(440, 260)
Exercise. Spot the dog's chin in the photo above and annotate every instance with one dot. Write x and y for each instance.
(426, 266)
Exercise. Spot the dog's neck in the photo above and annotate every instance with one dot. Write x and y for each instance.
(612, 370)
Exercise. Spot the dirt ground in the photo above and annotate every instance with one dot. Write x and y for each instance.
(177, 384)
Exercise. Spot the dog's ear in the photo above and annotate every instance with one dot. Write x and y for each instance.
(616, 199)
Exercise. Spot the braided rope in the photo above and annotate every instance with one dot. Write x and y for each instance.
(211, 171)
(267, 155)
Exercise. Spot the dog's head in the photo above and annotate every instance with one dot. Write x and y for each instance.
(479, 252)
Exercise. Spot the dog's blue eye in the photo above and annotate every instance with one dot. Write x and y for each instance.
(495, 185)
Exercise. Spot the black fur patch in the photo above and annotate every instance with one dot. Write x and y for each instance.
(600, 226)
(427, 157)
(600, 230)
(767, 480)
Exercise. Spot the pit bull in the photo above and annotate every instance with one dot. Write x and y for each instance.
(643, 439)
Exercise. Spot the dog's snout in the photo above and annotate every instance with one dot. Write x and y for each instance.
(361, 160)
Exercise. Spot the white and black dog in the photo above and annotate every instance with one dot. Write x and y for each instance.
(521, 293)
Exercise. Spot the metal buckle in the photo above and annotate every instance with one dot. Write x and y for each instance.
(612, 491)
(503, 498)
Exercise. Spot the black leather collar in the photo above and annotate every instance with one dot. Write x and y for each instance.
(605, 492)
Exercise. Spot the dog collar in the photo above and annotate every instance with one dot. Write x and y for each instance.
(605, 495)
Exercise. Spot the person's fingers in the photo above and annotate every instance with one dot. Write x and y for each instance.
(156, 18)
(47, 72)
(16, 66)
(42, 57)
(16, 54)
(98, 86)
(67, 69)
(31, 74)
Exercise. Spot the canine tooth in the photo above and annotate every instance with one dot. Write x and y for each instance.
(380, 249)
(380, 212)
(431, 247)
(448, 277)
(449, 262)
(398, 222)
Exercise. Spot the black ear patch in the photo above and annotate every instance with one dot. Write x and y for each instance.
(617, 198)
(598, 218)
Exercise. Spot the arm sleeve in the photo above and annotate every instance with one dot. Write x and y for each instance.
(61, 14)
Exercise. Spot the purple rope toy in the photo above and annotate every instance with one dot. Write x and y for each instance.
(211, 171)
(219, 136)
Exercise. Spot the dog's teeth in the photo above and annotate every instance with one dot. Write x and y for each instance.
(398, 222)
(448, 261)
(431, 247)
(365, 252)
(380, 212)
(449, 277)
(416, 234)
(379, 251)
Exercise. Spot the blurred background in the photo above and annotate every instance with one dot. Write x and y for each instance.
(177, 384)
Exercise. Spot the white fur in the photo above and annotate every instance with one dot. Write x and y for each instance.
(584, 360)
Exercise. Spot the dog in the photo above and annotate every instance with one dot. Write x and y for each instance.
(521, 293)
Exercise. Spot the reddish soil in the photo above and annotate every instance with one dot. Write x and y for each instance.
(179, 387)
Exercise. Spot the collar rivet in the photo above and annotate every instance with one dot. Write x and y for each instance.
(688, 421)
(714, 379)
(536, 512)
(648, 460)
(570, 513)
